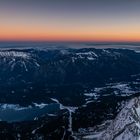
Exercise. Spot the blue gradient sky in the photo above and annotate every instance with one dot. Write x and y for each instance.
(72, 20)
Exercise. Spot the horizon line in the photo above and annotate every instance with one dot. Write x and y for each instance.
(70, 41)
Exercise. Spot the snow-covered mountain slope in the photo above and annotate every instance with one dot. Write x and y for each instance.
(126, 125)
(15, 59)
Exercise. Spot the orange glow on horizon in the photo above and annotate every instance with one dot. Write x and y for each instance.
(100, 38)
(33, 33)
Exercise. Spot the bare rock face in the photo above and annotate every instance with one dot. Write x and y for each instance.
(126, 126)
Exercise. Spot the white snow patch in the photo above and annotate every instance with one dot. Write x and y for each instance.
(41, 105)
(51, 115)
(13, 107)
(93, 136)
(89, 55)
(55, 100)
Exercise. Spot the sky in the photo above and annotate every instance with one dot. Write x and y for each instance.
(70, 20)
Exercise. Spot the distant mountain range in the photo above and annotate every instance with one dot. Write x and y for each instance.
(26, 71)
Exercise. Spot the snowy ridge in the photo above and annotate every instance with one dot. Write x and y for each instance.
(11, 59)
(14, 54)
(89, 55)
(126, 125)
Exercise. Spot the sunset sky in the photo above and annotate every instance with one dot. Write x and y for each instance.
(70, 20)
